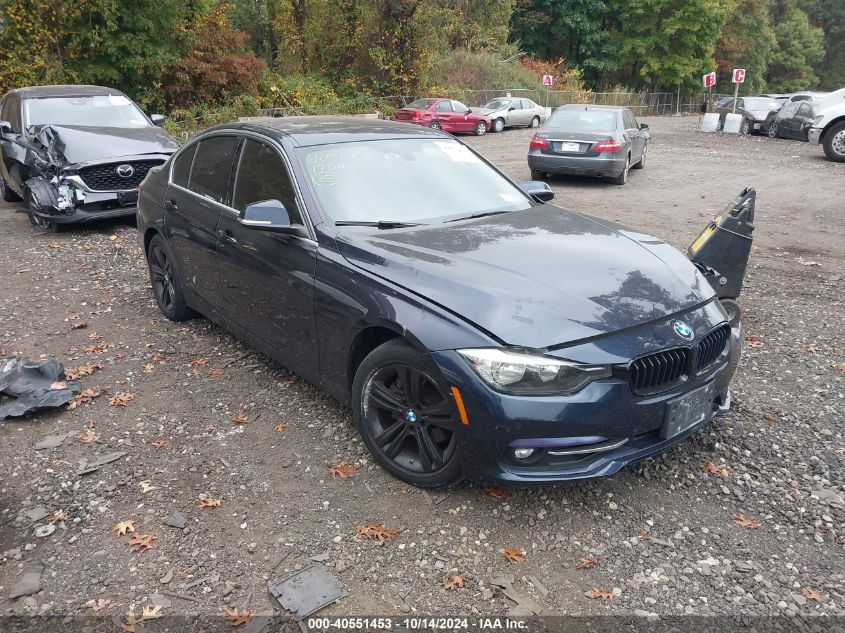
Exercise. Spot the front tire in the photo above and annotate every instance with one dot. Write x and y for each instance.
(406, 416)
(498, 125)
(746, 128)
(37, 221)
(773, 129)
(834, 143)
(535, 122)
(480, 128)
(167, 287)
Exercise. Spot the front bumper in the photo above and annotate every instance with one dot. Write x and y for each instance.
(814, 135)
(627, 425)
(611, 165)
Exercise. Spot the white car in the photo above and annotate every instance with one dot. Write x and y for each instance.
(513, 112)
(829, 126)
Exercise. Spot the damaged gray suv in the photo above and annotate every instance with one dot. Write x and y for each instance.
(77, 153)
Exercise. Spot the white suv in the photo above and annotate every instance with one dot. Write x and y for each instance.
(829, 126)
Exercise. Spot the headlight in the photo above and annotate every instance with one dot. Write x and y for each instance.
(526, 374)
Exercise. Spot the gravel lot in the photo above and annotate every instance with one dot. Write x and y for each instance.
(664, 534)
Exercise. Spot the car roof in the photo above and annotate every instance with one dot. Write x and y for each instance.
(590, 106)
(322, 130)
(40, 92)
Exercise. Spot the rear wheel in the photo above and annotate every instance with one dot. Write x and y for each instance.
(405, 417)
(434, 125)
(480, 128)
(535, 122)
(834, 143)
(641, 163)
(773, 129)
(165, 282)
(622, 178)
(536, 174)
(498, 125)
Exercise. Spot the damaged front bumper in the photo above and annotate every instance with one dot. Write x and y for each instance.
(66, 200)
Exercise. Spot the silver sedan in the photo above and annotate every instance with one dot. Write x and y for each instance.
(512, 112)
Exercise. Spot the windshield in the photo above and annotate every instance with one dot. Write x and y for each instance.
(405, 180)
(99, 111)
(420, 104)
(498, 104)
(601, 120)
(760, 103)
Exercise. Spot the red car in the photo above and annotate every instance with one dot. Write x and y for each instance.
(444, 114)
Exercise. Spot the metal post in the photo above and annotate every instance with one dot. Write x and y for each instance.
(678, 109)
(736, 94)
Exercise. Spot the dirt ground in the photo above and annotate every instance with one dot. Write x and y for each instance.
(666, 535)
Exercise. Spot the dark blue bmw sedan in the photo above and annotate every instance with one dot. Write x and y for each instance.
(475, 330)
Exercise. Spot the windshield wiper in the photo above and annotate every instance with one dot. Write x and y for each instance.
(381, 224)
(477, 215)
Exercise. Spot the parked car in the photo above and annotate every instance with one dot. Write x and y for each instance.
(598, 141)
(780, 98)
(808, 96)
(513, 112)
(754, 110)
(792, 121)
(444, 114)
(828, 128)
(76, 153)
(396, 269)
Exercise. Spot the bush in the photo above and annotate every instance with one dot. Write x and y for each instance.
(480, 71)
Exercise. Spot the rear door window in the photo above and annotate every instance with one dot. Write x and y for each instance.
(182, 166)
(263, 175)
(212, 167)
(444, 106)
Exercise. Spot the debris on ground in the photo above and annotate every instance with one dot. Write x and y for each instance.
(307, 591)
(32, 386)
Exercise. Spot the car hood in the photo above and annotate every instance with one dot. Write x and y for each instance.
(74, 144)
(535, 278)
(488, 111)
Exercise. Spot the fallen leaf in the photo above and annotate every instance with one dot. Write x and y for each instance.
(81, 371)
(123, 527)
(53, 245)
(151, 612)
(840, 367)
(161, 443)
(813, 594)
(89, 437)
(209, 428)
(240, 418)
(59, 384)
(158, 357)
(587, 562)
(741, 521)
(116, 238)
(91, 424)
(238, 617)
(78, 326)
(146, 486)
(753, 341)
(58, 517)
(209, 502)
(98, 605)
(496, 492)
(600, 594)
(280, 427)
(770, 418)
(121, 398)
(99, 348)
(95, 336)
(141, 542)
(454, 582)
(515, 555)
(214, 373)
(343, 470)
(378, 531)
(710, 467)
(200, 362)
(149, 367)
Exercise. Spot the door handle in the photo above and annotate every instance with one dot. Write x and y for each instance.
(226, 236)
(171, 205)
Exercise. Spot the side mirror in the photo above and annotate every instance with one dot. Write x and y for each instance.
(157, 119)
(643, 126)
(537, 189)
(512, 108)
(5, 128)
(267, 215)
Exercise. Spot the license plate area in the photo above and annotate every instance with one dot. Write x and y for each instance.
(688, 410)
(568, 147)
(127, 198)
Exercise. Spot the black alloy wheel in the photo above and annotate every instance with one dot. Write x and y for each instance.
(405, 417)
(773, 129)
(165, 282)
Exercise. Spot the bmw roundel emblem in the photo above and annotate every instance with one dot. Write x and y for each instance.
(683, 330)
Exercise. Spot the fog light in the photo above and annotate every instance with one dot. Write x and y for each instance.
(523, 453)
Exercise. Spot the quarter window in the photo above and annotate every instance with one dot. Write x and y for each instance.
(262, 175)
(182, 166)
(213, 166)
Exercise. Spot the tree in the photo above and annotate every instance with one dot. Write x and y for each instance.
(799, 48)
(830, 16)
(745, 41)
